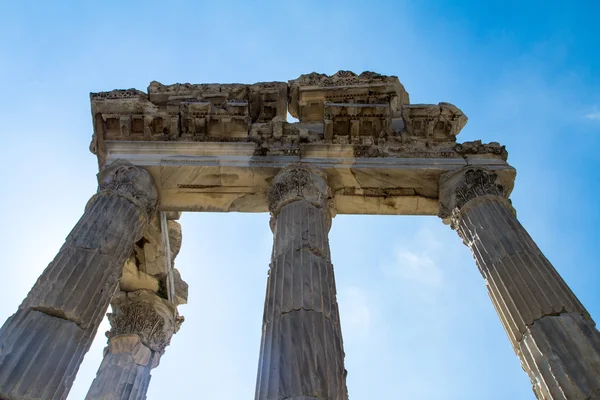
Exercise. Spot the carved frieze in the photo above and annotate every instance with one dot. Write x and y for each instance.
(439, 123)
(309, 93)
(493, 149)
(368, 111)
(118, 94)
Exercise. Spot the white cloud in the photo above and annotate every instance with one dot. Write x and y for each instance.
(594, 115)
(416, 263)
(418, 267)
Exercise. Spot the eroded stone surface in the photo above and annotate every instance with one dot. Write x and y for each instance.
(549, 329)
(142, 325)
(43, 344)
(216, 147)
(302, 352)
(146, 267)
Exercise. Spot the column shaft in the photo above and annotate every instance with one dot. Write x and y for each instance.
(43, 343)
(549, 329)
(125, 371)
(302, 354)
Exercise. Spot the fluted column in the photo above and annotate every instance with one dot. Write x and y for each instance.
(142, 325)
(302, 356)
(550, 330)
(43, 343)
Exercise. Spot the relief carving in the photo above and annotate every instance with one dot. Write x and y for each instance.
(146, 315)
(478, 182)
(438, 123)
(368, 111)
(476, 147)
(458, 187)
(299, 182)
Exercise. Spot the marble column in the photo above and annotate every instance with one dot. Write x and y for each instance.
(301, 354)
(549, 329)
(43, 343)
(142, 325)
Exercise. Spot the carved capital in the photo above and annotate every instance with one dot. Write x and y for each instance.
(134, 183)
(459, 187)
(146, 315)
(300, 182)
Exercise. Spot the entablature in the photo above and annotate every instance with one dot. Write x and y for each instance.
(215, 147)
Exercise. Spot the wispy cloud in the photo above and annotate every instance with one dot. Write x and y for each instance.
(418, 267)
(415, 262)
(594, 114)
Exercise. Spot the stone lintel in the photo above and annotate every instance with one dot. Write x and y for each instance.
(226, 177)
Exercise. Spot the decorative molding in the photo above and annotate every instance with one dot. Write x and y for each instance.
(368, 111)
(118, 94)
(477, 147)
(342, 78)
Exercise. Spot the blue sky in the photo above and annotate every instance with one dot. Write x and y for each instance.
(416, 318)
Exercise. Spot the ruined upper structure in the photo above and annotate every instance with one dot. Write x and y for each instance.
(343, 119)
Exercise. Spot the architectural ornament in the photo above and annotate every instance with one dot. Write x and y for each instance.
(299, 181)
(131, 182)
(142, 313)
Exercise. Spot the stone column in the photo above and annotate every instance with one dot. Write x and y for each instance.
(549, 329)
(142, 326)
(301, 354)
(43, 343)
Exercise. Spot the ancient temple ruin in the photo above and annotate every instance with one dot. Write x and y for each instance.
(358, 147)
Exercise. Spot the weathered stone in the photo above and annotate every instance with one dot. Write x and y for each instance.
(302, 354)
(309, 93)
(147, 267)
(134, 279)
(143, 321)
(440, 123)
(142, 327)
(550, 330)
(44, 342)
(181, 288)
(358, 128)
(563, 353)
(359, 147)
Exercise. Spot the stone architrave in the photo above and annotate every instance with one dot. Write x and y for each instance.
(549, 329)
(43, 343)
(142, 325)
(302, 354)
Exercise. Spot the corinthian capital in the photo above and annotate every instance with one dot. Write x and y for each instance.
(146, 315)
(134, 183)
(299, 182)
(459, 187)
